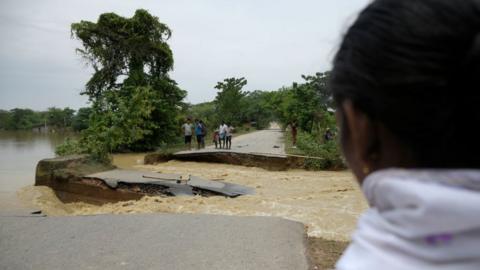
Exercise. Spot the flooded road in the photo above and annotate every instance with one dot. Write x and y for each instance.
(328, 203)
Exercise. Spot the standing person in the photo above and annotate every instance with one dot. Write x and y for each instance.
(187, 133)
(198, 133)
(222, 131)
(228, 136)
(204, 133)
(293, 127)
(216, 138)
(406, 84)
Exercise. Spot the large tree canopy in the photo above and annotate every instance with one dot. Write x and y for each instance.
(116, 46)
(229, 102)
(131, 59)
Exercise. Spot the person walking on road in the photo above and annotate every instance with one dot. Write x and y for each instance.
(293, 127)
(187, 133)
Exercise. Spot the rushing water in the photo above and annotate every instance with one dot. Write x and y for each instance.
(20, 152)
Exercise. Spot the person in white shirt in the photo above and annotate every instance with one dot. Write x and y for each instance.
(187, 128)
(405, 81)
(228, 136)
(222, 132)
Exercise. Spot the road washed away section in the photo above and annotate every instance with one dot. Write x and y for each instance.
(76, 178)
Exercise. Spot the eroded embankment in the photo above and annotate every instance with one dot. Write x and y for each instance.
(266, 161)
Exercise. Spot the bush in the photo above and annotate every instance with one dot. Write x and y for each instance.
(96, 151)
(69, 147)
(329, 152)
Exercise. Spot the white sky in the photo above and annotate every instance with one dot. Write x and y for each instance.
(270, 42)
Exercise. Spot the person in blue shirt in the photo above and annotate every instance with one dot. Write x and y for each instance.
(199, 133)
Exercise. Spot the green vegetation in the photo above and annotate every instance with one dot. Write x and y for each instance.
(136, 106)
(55, 119)
(308, 103)
(236, 107)
(120, 124)
(325, 154)
(82, 119)
(230, 100)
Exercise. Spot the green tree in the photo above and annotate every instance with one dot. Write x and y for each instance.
(130, 58)
(4, 119)
(229, 101)
(119, 127)
(23, 119)
(316, 94)
(280, 104)
(258, 108)
(307, 103)
(206, 112)
(60, 118)
(81, 119)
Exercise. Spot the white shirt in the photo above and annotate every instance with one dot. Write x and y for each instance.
(223, 129)
(419, 219)
(228, 131)
(187, 129)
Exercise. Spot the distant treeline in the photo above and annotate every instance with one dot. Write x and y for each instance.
(307, 103)
(53, 118)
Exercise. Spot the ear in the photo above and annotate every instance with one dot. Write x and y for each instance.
(362, 136)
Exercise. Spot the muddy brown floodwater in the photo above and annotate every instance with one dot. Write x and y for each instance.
(328, 203)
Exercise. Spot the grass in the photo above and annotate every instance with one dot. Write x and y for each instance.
(328, 156)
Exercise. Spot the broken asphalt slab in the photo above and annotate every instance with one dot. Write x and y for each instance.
(174, 183)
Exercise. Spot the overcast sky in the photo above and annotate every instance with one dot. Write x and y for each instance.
(270, 42)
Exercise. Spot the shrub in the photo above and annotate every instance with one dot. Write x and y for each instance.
(69, 147)
(329, 152)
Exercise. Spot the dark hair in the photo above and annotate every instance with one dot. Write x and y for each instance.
(414, 66)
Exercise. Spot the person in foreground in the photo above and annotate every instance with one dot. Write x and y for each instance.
(406, 83)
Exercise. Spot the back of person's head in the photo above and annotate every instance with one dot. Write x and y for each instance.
(413, 66)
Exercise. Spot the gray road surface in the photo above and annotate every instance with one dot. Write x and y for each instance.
(156, 241)
(268, 142)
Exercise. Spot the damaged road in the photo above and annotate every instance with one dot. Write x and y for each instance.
(76, 178)
(172, 184)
